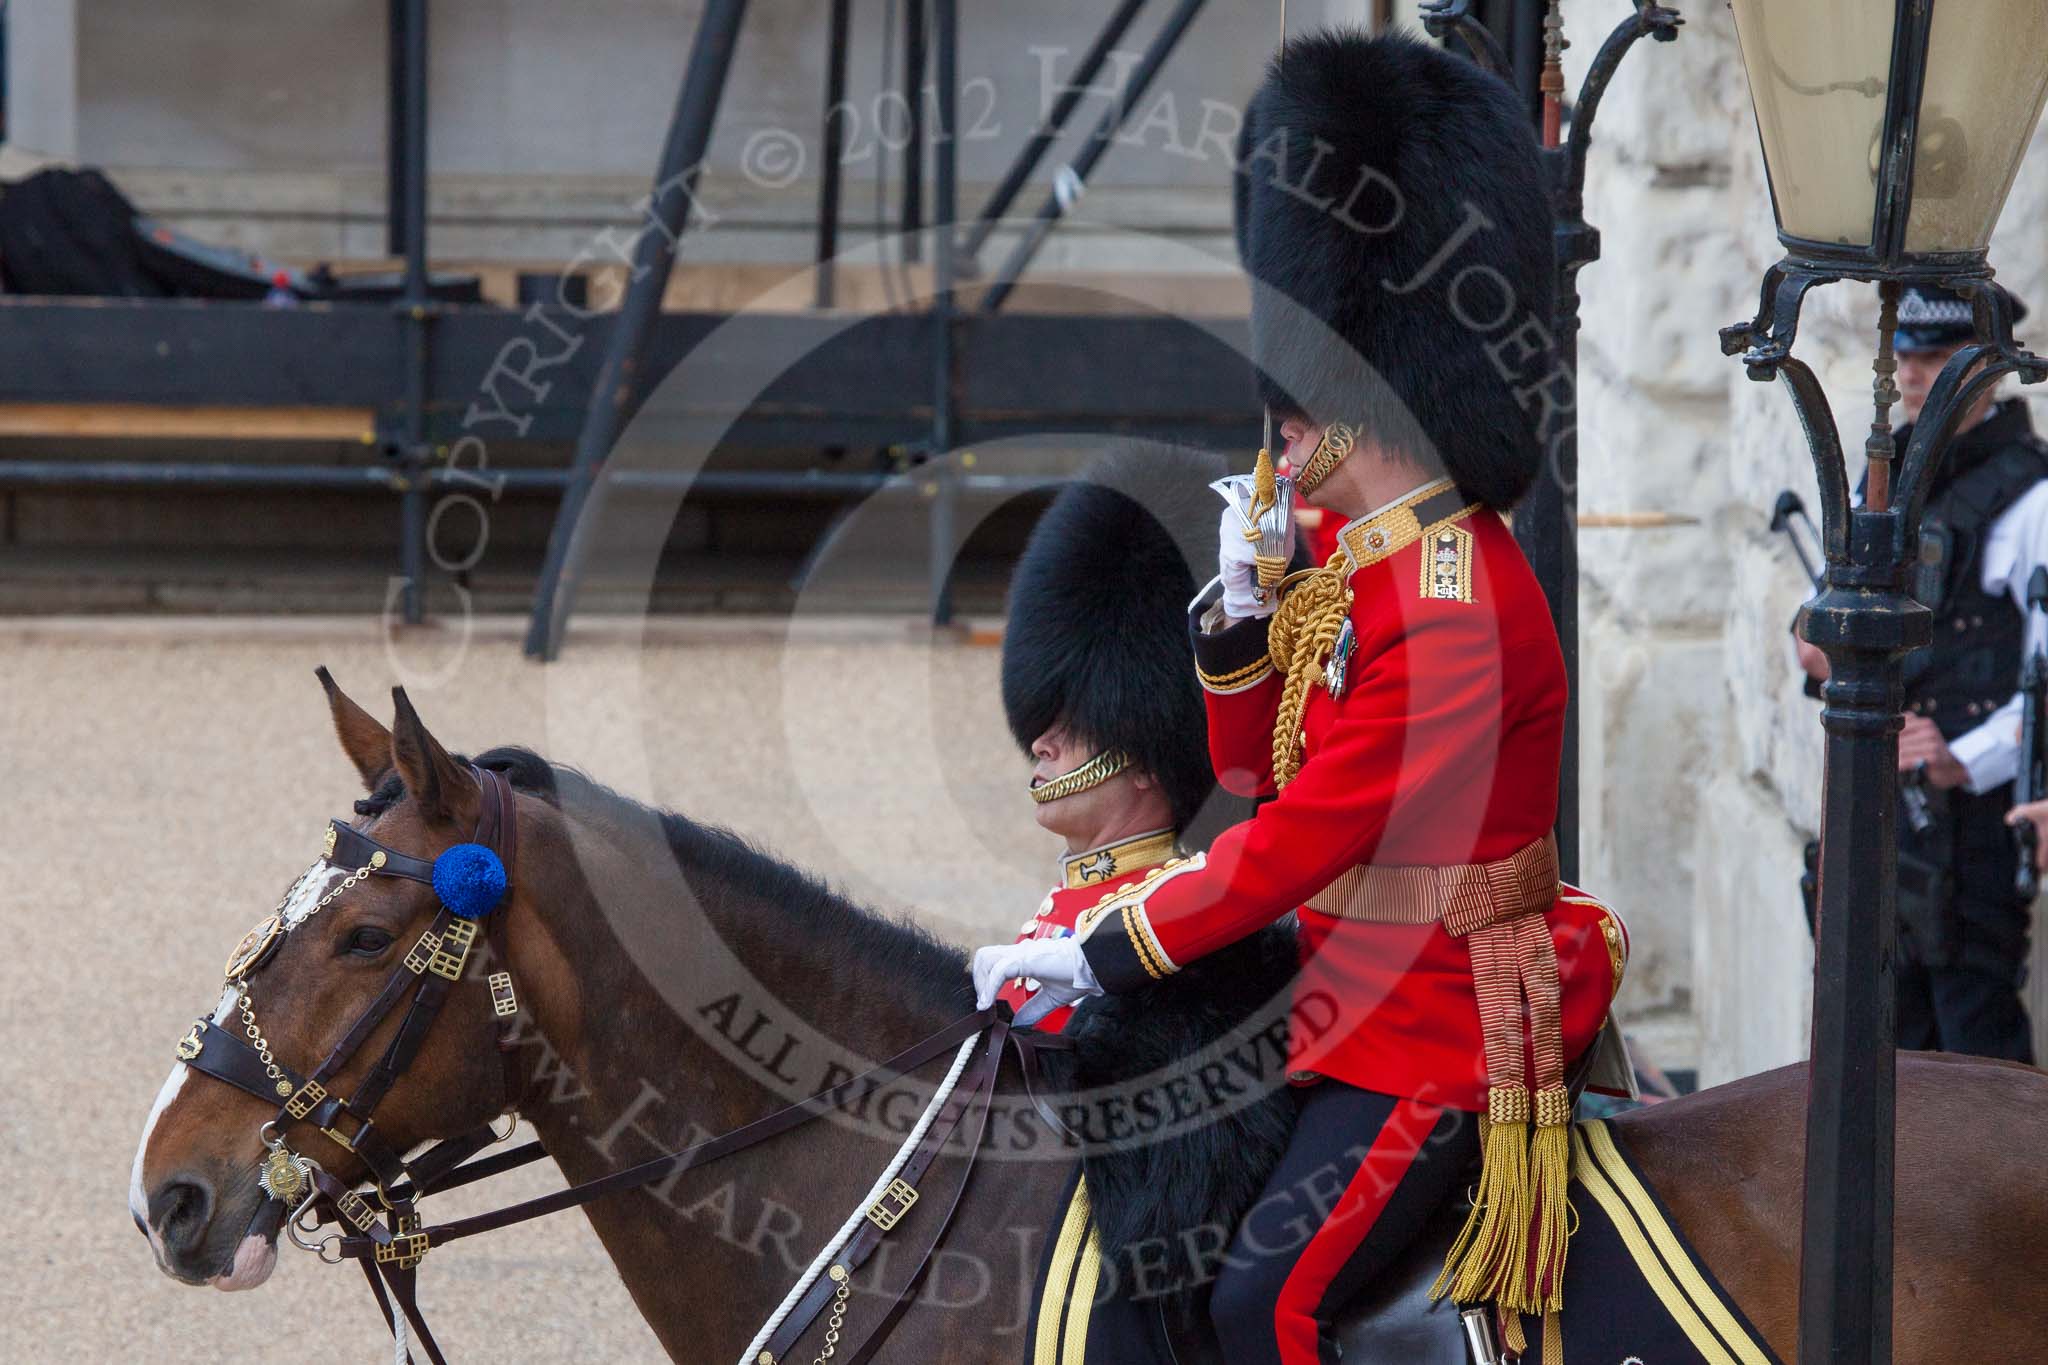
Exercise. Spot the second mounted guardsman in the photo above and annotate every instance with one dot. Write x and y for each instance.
(1099, 681)
(1402, 705)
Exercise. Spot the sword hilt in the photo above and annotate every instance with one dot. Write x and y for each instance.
(1265, 486)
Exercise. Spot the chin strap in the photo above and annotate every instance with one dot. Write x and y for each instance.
(1093, 773)
(1337, 443)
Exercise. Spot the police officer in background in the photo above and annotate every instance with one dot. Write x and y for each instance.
(1962, 928)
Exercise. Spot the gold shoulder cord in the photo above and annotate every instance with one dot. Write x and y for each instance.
(1303, 632)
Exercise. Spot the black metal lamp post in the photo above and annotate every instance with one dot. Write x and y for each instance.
(1892, 130)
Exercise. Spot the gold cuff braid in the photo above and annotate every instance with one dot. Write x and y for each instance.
(1236, 679)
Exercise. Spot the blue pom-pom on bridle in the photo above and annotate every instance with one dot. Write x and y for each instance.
(470, 880)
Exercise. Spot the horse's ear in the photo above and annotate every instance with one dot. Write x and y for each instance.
(442, 788)
(363, 737)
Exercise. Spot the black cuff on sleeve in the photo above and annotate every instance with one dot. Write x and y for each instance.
(1233, 658)
(1114, 959)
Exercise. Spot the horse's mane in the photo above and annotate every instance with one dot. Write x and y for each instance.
(804, 906)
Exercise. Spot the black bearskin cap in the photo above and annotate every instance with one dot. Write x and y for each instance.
(1390, 193)
(1097, 635)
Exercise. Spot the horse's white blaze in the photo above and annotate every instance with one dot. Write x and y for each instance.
(306, 892)
(255, 1257)
(138, 1198)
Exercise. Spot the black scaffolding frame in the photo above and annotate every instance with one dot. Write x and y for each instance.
(924, 384)
(921, 385)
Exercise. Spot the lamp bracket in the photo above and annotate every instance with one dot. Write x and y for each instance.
(1445, 17)
(1765, 344)
(1650, 20)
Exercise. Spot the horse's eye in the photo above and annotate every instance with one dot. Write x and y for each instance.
(368, 941)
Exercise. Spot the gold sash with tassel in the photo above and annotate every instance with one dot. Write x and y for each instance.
(1511, 1251)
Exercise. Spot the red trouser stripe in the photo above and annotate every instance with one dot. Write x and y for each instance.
(1351, 1220)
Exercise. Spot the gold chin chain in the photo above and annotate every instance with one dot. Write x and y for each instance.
(1338, 441)
(1093, 773)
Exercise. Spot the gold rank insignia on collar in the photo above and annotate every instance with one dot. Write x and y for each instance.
(1115, 860)
(1395, 527)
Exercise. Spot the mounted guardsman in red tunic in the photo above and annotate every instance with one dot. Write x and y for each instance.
(1099, 679)
(1402, 705)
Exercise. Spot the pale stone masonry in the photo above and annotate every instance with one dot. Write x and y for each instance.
(1703, 757)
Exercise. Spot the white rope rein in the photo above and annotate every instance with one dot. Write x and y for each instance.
(852, 1225)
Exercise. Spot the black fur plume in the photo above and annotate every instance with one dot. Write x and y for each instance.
(1394, 217)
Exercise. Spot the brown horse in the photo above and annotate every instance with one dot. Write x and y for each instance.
(677, 983)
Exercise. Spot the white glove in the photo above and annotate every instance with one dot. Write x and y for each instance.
(1236, 562)
(1061, 969)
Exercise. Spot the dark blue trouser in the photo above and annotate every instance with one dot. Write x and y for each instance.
(1360, 1179)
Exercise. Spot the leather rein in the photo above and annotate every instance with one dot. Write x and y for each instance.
(390, 1247)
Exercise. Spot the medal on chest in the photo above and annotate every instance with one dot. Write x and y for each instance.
(1336, 671)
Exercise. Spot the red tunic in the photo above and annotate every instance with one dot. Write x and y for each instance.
(1437, 747)
(1085, 878)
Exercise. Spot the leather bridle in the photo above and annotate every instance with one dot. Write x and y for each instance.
(389, 1247)
(421, 985)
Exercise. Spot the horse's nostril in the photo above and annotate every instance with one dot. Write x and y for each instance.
(181, 1211)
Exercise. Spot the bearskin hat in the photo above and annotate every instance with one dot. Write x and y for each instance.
(1393, 216)
(1097, 635)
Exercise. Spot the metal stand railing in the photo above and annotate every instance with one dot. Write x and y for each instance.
(1066, 190)
(621, 384)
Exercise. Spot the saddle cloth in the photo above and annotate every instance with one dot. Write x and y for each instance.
(1633, 1285)
(1634, 1288)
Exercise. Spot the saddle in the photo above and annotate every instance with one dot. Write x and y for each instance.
(1118, 1282)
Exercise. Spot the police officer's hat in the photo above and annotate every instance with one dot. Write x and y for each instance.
(1097, 637)
(1932, 318)
(1390, 193)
